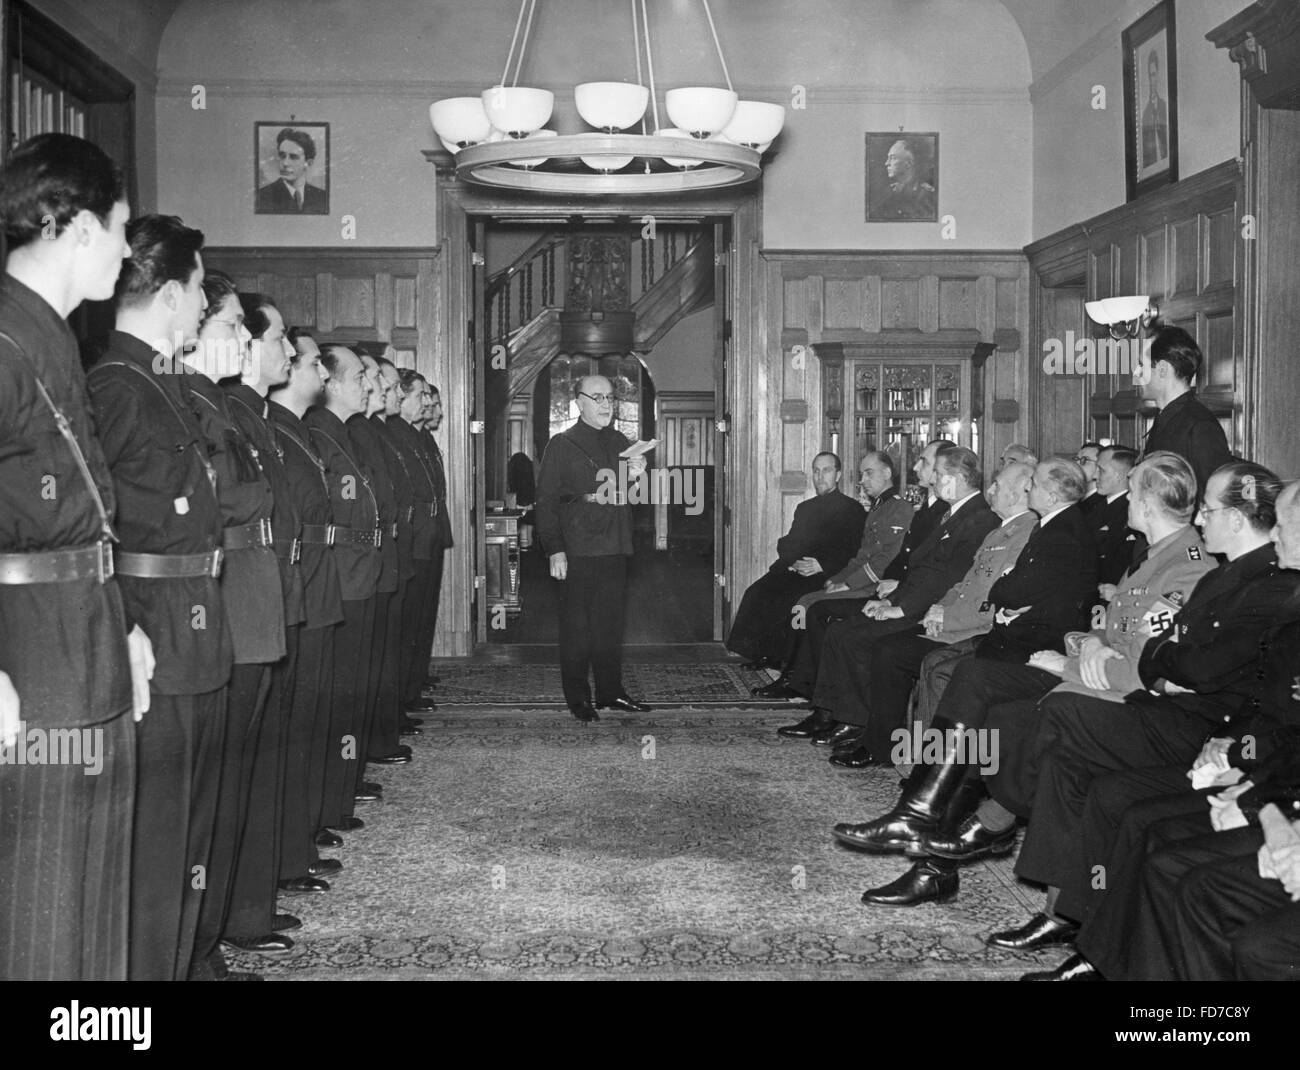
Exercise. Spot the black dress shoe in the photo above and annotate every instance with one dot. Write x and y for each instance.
(778, 688)
(852, 741)
(626, 704)
(758, 665)
(348, 824)
(927, 881)
(284, 923)
(971, 840)
(585, 712)
(855, 757)
(362, 795)
(1039, 931)
(396, 758)
(410, 730)
(271, 943)
(814, 722)
(370, 785)
(303, 885)
(833, 737)
(326, 838)
(324, 867)
(891, 834)
(422, 705)
(417, 721)
(1075, 968)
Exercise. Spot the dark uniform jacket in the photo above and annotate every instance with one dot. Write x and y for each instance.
(942, 561)
(575, 463)
(924, 520)
(425, 503)
(403, 471)
(1114, 538)
(442, 525)
(250, 574)
(62, 644)
(886, 526)
(309, 489)
(1189, 429)
(275, 197)
(248, 408)
(1270, 718)
(1145, 601)
(1212, 645)
(166, 504)
(1055, 577)
(370, 452)
(967, 611)
(352, 504)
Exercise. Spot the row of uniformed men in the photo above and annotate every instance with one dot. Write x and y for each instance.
(243, 547)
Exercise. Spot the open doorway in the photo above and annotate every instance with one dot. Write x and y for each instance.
(565, 299)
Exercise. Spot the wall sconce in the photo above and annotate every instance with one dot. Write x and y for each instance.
(1123, 317)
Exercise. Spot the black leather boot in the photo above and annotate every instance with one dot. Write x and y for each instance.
(931, 880)
(918, 812)
(813, 723)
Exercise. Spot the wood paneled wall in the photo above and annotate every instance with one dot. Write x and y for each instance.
(826, 309)
(1181, 246)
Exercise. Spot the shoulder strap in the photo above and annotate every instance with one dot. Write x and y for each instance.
(171, 404)
(65, 429)
(364, 480)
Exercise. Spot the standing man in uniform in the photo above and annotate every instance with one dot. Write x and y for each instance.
(589, 539)
(65, 660)
(1183, 426)
(354, 538)
(442, 527)
(169, 523)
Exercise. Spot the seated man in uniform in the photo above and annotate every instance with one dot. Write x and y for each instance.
(888, 520)
(1196, 675)
(824, 534)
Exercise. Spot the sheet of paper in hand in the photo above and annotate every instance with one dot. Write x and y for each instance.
(639, 448)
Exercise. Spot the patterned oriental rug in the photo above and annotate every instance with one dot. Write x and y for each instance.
(677, 845)
(663, 684)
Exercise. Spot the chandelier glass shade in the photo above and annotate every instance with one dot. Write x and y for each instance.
(715, 139)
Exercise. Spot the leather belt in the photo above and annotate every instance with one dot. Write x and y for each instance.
(293, 552)
(59, 566)
(336, 534)
(170, 566)
(250, 536)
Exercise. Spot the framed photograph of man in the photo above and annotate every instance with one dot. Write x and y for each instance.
(1151, 101)
(902, 178)
(291, 167)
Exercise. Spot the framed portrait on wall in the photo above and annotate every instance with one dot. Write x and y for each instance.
(1150, 101)
(902, 177)
(291, 166)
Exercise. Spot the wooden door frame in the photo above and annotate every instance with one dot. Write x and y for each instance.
(454, 368)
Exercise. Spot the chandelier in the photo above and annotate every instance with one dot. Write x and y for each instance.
(500, 138)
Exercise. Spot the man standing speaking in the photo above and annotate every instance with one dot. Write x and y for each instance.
(587, 533)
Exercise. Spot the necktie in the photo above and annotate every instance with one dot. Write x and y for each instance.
(297, 198)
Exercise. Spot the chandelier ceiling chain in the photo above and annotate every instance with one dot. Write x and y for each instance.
(716, 139)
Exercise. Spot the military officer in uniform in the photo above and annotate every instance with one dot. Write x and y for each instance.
(355, 537)
(908, 198)
(1195, 675)
(432, 413)
(588, 537)
(309, 718)
(236, 909)
(65, 658)
(170, 524)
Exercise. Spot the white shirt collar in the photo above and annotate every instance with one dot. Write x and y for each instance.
(1011, 518)
(1042, 521)
(1117, 494)
(952, 509)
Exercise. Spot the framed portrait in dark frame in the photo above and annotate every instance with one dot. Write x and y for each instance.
(1150, 102)
(902, 177)
(291, 167)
